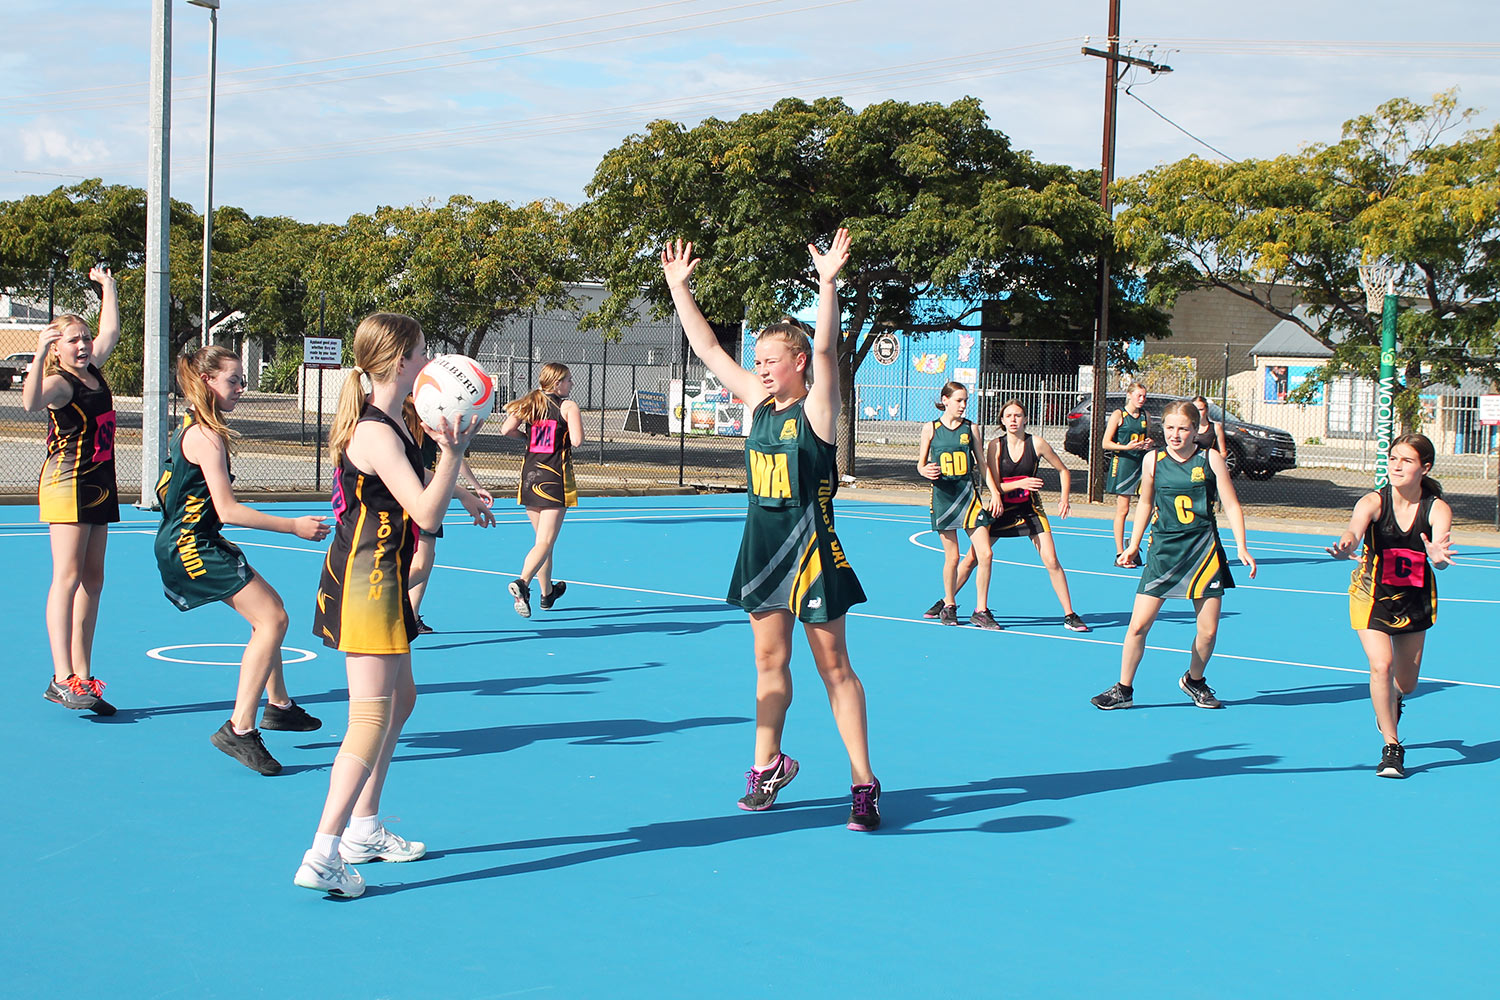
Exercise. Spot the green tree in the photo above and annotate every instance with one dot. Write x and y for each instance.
(944, 213)
(461, 268)
(1390, 187)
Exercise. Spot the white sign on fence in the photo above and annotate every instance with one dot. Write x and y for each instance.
(1489, 409)
(322, 352)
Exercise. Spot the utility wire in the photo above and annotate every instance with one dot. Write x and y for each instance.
(1201, 142)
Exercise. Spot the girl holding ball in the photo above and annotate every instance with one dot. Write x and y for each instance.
(363, 608)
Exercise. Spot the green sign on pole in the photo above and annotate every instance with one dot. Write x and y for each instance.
(1384, 405)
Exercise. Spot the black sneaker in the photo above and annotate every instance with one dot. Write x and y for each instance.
(423, 628)
(1199, 691)
(864, 815)
(292, 719)
(1392, 762)
(247, 749)
(1118, 696)
(948, 615)
(932, 612)
(522, 593)
(985, 620)
(558, 588)
(763, 785)
(1073, 623)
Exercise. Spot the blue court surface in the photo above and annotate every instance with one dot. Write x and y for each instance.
(575, 777)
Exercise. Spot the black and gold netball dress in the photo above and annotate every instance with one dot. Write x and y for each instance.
(1186, 558)
(955, 493)
(547, 470)
(1023, 514)
(197, 565)
(1394, 590)
(1125, 466)
(1208, 437)
(362, 602)
(790, 558)
(77, 484)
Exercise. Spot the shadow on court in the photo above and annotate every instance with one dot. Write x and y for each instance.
(502, 739)
(1479, 753)
(902, 809)
(605, 625)
(1107, 619)
(484, 687)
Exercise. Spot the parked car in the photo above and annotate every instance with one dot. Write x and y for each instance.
(13, 368)
(1254, 449)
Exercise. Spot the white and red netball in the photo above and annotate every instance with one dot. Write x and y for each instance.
(454, 387)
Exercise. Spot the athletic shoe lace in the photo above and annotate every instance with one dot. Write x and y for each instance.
(95, 686)
(80, 687)
(864, 800)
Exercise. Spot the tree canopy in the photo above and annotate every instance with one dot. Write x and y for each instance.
(1391, 187)
(945, 215)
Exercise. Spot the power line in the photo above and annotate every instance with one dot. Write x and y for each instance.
(1201, 142)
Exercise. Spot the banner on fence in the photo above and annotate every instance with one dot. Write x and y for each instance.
(706, 407)
(1489, 409)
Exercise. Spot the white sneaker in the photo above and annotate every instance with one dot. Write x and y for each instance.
(383, 846)
(336, 879)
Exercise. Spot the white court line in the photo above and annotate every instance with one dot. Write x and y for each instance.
(1237, 586)
(919, 621)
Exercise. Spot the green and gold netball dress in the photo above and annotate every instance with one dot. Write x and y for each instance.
(197, 565)
(1125, 466)
(790, 558)
(955, 493)
(1394, 590)
(1186, 558)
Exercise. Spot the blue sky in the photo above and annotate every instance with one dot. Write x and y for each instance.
(334, 107)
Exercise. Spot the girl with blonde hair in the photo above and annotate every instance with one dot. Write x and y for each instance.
(791, 565)
(77, 494)
(363, 608)
(552, 426)
(199, 566)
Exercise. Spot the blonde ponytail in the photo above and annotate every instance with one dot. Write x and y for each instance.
(380, 342)
(533, 406)
(192, 369)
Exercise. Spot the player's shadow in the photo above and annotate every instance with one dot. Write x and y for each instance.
(502, 739)
(903, 810)
(1479, 753)
(1329, 694)
(482, 687)
(605, 625)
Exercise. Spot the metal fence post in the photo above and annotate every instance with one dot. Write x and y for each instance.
(603, 399)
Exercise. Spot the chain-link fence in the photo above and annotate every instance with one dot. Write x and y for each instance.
(654, 419)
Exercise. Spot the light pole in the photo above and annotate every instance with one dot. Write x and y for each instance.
(208, 184)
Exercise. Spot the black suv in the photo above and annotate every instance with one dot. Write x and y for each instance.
(1258, 451)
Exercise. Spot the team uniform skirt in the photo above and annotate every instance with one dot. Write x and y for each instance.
(1124, 477)
(214, 571)
(1186, 564)
(1021, 520)
(791, 560)
(955, 505)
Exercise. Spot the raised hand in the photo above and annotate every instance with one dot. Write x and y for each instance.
(102, 274)
(1344, 547)
(50, 335)
(1440, 550)
(310, 527)
(678, 263)
(829, 264)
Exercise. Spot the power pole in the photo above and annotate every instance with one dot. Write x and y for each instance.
(1114, 66)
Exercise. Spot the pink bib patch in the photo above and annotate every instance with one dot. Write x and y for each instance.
(1403, 568)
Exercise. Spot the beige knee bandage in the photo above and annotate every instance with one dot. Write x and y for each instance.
(369, 721)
